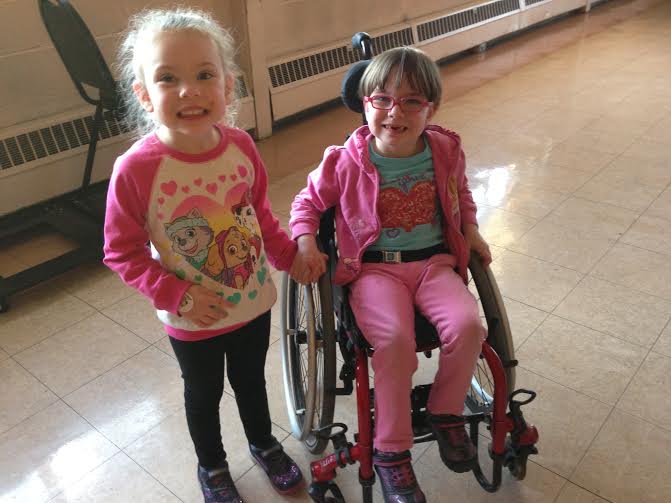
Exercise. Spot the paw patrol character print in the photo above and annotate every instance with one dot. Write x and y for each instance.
(244, 213)
(191, 236)
(230, 261)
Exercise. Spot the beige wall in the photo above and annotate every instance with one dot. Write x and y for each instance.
(33, 81)
(298, 25)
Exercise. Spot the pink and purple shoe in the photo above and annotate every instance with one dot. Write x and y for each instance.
(217, 485)
(455, 446)
(399, 484)
(283, 473)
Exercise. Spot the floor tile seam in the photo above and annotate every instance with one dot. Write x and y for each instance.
(119, 324)
(568, 481)
(58, 331)
(608, 334)
(73, 483)
(649, 421)
(545, 261)
(180, 410)
(565, 386)
(33, 414)
(589, 447)
(108, 371)
(118, 449)
(631, 380)
(621, 285)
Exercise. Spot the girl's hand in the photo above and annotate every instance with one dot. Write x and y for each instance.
(309, 263)
(477, 243)
(203, 306)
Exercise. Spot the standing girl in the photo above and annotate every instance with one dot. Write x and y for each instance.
(206, 273)
(405, 222)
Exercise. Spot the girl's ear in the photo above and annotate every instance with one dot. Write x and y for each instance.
(143, 96)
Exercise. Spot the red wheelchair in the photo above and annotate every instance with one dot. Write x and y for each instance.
(317, 321)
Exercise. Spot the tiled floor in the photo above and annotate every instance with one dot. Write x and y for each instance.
(567, 136)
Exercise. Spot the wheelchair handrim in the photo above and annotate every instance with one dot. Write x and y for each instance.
(300, 429)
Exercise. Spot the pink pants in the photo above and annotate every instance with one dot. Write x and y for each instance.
(383, 299)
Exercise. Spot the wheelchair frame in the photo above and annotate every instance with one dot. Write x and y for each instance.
(309, 338)
(310, 333)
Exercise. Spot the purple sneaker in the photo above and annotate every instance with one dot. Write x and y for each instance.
(283, 472)
(455, 446)
(217, 485)
(399, 484)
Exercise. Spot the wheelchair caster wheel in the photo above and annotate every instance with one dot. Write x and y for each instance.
(4, 305)
(518, 468)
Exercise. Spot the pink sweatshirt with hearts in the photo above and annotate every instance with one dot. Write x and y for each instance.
(207, 220)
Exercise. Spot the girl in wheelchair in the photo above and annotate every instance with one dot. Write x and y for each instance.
(405, 225)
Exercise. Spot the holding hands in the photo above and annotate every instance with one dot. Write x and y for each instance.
(309, 263)
(203, 306)
(477, 243)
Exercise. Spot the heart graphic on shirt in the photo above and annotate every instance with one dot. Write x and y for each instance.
(220, 293)
(186, 189)
(262, 260)
(234, 177)
(242, 170)
(211, 188)
(392, 233)
(169, 188)
(261, 275)
(235, 298)
(222, 178)
(198, 181)
(406, 211)
(160, 216)
(252, 295)
(180, 274)
(198, 278)
(161, 200)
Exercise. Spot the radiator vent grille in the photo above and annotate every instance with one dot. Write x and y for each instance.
(27, 147)
(531, 2)
(466, 18)
(322, 62)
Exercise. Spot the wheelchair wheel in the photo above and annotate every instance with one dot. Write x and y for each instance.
(481, 392)
(308, 358)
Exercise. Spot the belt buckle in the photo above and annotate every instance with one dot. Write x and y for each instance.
(391, 257)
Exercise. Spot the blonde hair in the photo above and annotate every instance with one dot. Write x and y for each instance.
(420, 71)
(142, 29)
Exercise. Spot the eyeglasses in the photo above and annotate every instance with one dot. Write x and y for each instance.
(408, 105)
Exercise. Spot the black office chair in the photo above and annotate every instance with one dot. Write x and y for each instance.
(78, 215)
(85, 64)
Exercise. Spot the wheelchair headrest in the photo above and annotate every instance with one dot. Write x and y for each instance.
(350, 86)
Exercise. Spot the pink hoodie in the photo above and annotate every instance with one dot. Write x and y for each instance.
(348, 180)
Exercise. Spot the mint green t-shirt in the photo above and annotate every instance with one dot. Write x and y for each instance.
(408, 206)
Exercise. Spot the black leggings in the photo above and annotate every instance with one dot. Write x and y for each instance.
(202, 365)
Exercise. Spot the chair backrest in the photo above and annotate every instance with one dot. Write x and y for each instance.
(79, 51)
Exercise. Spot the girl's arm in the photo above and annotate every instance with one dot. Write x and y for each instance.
(468, 210)
(126, 244)
(321, 193)
(467, 206)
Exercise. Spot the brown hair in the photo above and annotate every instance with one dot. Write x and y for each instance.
(420, 71)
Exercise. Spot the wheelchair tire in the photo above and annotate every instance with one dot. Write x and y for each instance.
(308, 358)
(480, 395)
